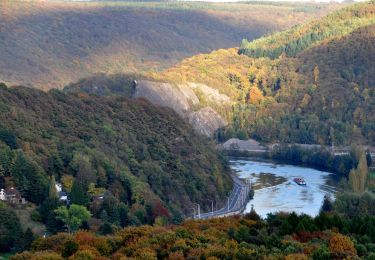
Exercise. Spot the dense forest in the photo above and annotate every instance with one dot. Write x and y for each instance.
(144, 162)
(344, 229)
(301, 37)
(330, 235)
(321, 93)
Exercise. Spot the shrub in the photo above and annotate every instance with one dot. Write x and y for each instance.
(321, 253)
(341, 245)
(35, 216)
(296, 257)
(69, 248)
(42, 255)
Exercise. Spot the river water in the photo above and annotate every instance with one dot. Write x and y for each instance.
(276, 191)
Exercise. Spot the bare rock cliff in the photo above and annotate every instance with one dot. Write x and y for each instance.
(182, 98)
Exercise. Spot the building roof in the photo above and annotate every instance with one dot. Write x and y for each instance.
(12, 192)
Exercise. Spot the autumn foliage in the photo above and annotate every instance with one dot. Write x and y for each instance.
(246, 237)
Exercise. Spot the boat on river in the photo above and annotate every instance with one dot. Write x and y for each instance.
(300, 181)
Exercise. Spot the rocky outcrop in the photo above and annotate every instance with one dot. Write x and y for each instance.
(211, 94)
(164, 94)
(182, 98)
(206, 121)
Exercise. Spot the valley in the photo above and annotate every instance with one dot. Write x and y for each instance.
(50, 44)
(187, 130)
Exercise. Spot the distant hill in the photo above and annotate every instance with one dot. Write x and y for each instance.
(50, 44)
(322, 91)
(294, 41)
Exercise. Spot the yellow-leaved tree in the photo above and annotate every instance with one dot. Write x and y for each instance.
(358, 176)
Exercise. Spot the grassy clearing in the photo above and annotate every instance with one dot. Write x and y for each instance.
(24, 214)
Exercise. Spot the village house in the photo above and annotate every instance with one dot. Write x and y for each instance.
(12, 195)
(63, 196)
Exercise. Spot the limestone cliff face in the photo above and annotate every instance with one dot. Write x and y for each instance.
(182, 98)
(206, 121)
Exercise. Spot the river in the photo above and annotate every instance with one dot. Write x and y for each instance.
(276, 191)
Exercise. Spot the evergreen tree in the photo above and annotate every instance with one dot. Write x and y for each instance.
(52, 188)
(252, 214)
(55, 165)
(6, 158)
(28, 238)
(123, 210)
(10, 229)
(46, 210)
(111, 207)
(78, 194)
(29, 178)
(327, 205)
(2, 175)
(106, 228)
(8, 138)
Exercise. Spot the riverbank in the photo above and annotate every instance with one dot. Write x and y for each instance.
(316, 158)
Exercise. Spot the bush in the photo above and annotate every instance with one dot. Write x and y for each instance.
(35, 216)
(69, 248)
(341, 245)
(321, 253)
(42, 255)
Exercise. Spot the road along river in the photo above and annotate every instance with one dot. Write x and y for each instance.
(276, 191)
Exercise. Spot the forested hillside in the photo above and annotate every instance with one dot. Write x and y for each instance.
(302, 37)
(323, 92)
(343, 229)
(144, 160)
(49, 44)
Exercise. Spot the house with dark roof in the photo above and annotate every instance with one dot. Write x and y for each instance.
(12, 195)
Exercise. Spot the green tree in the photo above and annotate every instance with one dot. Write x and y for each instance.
(78, 194)
(8, 138)
(27, 239)
(52, 188)
(48, 216)
(123, 214)
(111, 206)
(69, 248)
(55, 165)
(327, 204)
(73, 216)
(10, 229)
(6, 158)
(29, 178)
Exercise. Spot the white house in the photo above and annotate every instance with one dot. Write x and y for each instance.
(58, 187)
(63, 196)
(12, 195)
(2, 195)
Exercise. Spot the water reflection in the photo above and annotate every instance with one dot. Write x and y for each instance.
(276, 191)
